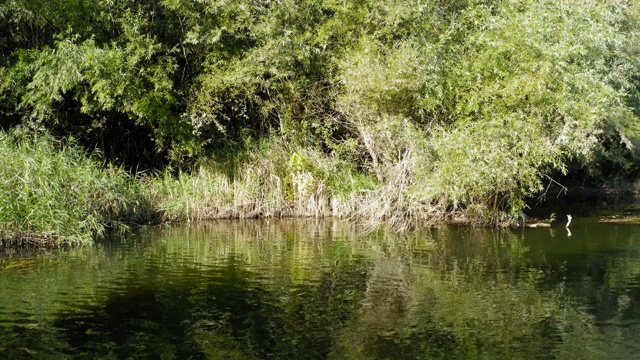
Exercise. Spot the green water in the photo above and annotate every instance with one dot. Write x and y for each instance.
(306, 289)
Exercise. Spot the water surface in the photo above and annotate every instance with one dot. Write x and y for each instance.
(307, 289)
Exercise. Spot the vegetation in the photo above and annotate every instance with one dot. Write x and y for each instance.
(387, 111)
(53, 193)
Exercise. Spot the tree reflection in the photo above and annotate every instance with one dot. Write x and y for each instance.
(308, 289)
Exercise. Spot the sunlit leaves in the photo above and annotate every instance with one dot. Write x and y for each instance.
(506, 93)
(457, 94)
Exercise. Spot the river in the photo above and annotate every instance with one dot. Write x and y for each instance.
(310, 289)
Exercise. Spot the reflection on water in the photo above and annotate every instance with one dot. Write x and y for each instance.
(303, 289)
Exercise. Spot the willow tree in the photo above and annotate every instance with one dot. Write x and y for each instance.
(477, 109)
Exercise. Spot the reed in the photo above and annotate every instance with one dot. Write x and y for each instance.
(54, 193)
(274, 181)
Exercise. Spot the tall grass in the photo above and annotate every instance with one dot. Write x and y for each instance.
(56, 193)
(285, 180)
(275, 181)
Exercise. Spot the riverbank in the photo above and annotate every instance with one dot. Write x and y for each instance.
(54, 193)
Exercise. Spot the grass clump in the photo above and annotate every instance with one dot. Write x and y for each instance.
(275, 180)
(54, 193)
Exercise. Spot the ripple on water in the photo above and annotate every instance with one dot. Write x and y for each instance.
(265, 291)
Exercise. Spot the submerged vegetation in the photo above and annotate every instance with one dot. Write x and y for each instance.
(402, 112)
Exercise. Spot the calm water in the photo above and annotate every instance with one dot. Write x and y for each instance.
(313, 290)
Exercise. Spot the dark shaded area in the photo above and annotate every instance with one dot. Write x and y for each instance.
(183, 321)
(115, 138)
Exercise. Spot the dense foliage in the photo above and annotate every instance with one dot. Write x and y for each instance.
(442, 105)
